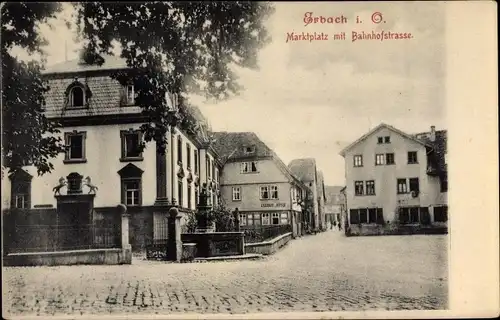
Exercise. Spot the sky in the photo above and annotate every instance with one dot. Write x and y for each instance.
(311, 99)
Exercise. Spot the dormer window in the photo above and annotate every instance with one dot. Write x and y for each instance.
(129, 89)
(249, 149)
(77, 97)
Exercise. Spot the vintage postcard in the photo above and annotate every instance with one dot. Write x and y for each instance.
(315, 160)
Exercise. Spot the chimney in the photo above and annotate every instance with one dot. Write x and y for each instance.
(432, 136)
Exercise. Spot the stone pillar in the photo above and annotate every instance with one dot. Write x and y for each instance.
(126, 257)
(174, 243)
(174, 165)
(170, 166)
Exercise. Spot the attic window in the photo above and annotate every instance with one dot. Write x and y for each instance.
(77, 97)
(130, 94)
(250, 149)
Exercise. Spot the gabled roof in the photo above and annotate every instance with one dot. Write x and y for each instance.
(321, 184)
(231, 145)
(303, 169)
(75, 65)
(380, 126)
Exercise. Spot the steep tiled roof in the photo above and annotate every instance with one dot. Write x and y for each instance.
(110, 63)
(439, 146)
(105, 99)
(333, 196)
(303, 169)
(232, 145)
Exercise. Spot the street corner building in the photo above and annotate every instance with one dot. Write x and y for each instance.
(308, 173)
(258, 185)
(396, 183)
(103, 166)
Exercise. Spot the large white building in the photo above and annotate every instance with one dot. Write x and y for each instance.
(101, 129)
(395, 177)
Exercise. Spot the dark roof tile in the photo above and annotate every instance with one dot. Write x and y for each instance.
(232, 145)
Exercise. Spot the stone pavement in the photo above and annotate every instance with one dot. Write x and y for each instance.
(325, 272)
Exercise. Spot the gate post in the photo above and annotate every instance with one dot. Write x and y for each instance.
(174, 243)
(125, 242)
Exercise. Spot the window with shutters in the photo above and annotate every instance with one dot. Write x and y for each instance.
(21, 190)
(75, 147)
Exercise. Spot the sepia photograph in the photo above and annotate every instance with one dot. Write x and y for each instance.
(225, 158)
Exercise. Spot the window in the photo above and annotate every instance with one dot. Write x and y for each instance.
(208, 167)
(441, 214)
(265, 219)
(131, 185)
(284, 218)
(131, 145)
(370, 187)
(389, 158)
(414, 185)
(21, 190)
(379, 159)
(254, 219)
(75, 142)
(380, 139)
(354, 216)
(196, 196)
(372, 215)
(264, 192)
(188, 155)
(402, 186)
(77, 97)
(243, 219)
(366, 215)
(412, 157)
(358, 161)
(363, 215)
(179, 149)
(358, 188)
(414, 217)
(443, 182)
(130, 94)
(236, 194)
(189, 195)
(276, 218)
(132, 192)
(250, 149)
(387, 139)
(248, 167)
(179, 193)
(196, 161)
(274, 192)
(216, 175)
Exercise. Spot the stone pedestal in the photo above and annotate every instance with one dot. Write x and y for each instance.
(174, 243)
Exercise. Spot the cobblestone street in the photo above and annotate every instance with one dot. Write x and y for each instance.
(325, 272)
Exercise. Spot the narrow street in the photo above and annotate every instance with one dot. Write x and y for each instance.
(325, 272)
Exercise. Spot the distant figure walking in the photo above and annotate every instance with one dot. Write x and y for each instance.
(334, 223)
(340, 226)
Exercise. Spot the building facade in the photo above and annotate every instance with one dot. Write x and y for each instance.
(257, 183)
(306, 171)
(101, 129)
(334, 204)
(396, 178)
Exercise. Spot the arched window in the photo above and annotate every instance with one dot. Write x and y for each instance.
(77, 97)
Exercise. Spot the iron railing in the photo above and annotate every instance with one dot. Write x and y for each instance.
(47, 238)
